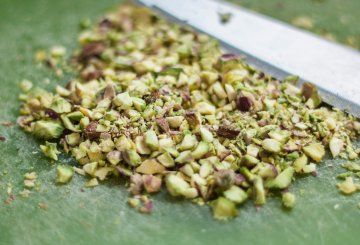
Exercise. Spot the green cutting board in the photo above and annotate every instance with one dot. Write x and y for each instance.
(101, 215)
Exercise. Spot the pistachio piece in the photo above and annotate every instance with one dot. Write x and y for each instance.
(141, 146)
(151, 183)
(335, 146)
(201, 149)
(235, 194)
(151, 140)
(47, 129)
(271, 145)
(288, 199)
(166, 160)
(188, 142)
(224, 209)
(283, 180)
(150, 166)
(206, 135)
(228, 132)
(347, 186)
(131, 157)
(60, 105)
(123, 101)
(300, 163)
(184, 157)
(260, 198)
(315, 151)
(64, 174)
(50, 150)
(92, 183)
(205, 108)
(114, 157)
(176, 185)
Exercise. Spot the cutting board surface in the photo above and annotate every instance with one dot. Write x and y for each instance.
(101, 215)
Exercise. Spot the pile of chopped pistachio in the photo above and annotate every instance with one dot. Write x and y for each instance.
(161, 105)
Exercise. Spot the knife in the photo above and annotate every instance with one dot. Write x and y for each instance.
(274, 47)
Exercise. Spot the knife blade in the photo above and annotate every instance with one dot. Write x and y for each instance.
(274, 47)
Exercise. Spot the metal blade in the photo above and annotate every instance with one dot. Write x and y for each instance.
(274, 47)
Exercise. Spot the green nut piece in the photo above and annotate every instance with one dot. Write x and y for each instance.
(184, 157)
(151, 140)
(315, 151)
(90, 168)
(166, 160)
(271, 145)
(123, 143)
(175, 121)
(283, 180)
(335, 146)
(201, 149)
(123, 101)
(50, 150)
(60, 105)
(300, 163)
(131, 157)
(64, 174)
(249, 161)
(141, 146)
(260, 198)
(347, 186)
(224, 209)
(351, 166)
(47, 129)
(73, 139)
(205, 108)
(139, 104)
(235, 194)
(288, 199)
(188, 142)
(114, 157)
(176, 185)
(206, 135)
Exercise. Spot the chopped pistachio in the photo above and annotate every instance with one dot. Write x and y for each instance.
(60, 105)
(176, 185)
(335, 146)
(150, 166)
(123, 101)
(201, 149)
(235, 194)
(260, 198)
(348, 186)
(188, 142)
(64, 173)
(151, 183)
(283, 180)
(315, 151)
(50, 150)
(224, 209)
(205, 108)
(168, 104)
(92, 183)
(151, 140)
(141, 146)
(288, 199)
(300, 163)
(114, 157)
(166, 160)
(47, 129)
(206, 135)
(351, 166)
(30, 176)
(131, 157)
(271, 145)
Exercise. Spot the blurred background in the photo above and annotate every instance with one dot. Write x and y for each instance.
(335, 20)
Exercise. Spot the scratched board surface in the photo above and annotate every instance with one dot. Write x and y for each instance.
(101, 215)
